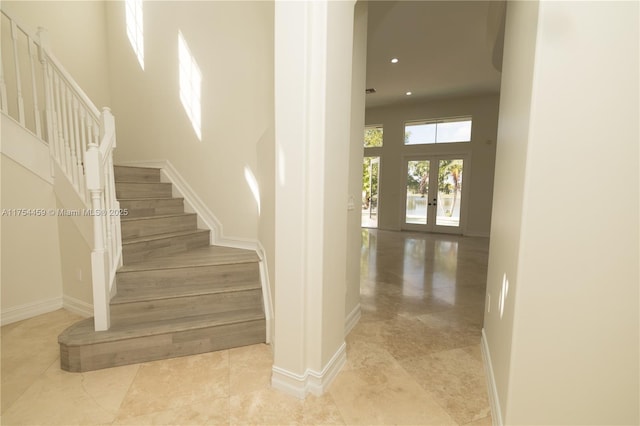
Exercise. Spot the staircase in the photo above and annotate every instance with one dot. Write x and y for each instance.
(176, 294)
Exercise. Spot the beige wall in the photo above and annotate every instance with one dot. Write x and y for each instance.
(232, 42)
(571, 314)
(77, 34)
(479, 183)
(352, 300)
(266, 170)
(511, 155)
(75, 262)
(30, 266)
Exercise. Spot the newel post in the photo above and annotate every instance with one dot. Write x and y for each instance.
(99, 255)
(108, 123)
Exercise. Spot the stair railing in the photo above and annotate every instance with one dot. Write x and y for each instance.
(81, 141)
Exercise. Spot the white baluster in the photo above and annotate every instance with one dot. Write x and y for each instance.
(107, 197)
(73, 156)
(96, 132)
(3, 89)
(59, 124)
(79, 151)
(48, 97)
(68, 145)
(83, 133)
(36, 110)
(14, 38)
(115, 219)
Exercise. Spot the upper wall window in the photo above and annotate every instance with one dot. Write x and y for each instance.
(135, 28)
(444, 130)
(372, 136)
(190, 85)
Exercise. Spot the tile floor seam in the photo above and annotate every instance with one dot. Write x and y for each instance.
(433, 398)
(29, 387)
(124, 397)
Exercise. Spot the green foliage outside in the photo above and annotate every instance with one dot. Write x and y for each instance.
(449, 179)
(372, 138)
(370, 174)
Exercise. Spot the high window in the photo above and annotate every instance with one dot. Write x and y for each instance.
(444, 130)
(190, 85)
(135, 28)
(372, 136)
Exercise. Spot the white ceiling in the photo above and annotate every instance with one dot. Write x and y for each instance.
(445, 48)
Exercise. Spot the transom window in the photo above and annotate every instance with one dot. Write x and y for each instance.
(135, 28)
(442, 130)
(372, 136)
(190, 85)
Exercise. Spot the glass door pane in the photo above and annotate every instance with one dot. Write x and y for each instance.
(449, 192)
(370, 180)
(417, 192)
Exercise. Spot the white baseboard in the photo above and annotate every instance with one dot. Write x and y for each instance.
(29, 310)
(315, 382)
(352, 319)
(496, 412)
(76, 306)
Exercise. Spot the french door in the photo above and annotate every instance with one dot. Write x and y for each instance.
(370, 179)
(435, 197)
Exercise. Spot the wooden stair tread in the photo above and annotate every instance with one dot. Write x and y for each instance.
(160, 216)
(162, 236)
(142, 295)
(83, 333)
(204, 256)
(135, 167)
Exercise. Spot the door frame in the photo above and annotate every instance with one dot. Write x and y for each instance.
(464, 199)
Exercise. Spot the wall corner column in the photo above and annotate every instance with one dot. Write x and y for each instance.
(313, 57)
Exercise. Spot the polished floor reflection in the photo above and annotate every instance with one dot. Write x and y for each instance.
(414, 358)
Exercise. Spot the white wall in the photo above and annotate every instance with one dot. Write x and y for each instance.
(30, 271)
(566, 349)
(232, 42)
(479, 183)
(77, 35)
(352, 301)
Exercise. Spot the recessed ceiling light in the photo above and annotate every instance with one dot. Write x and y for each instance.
(408, 93)
(394, 60)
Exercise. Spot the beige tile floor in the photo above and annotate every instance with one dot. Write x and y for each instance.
(414, 358)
